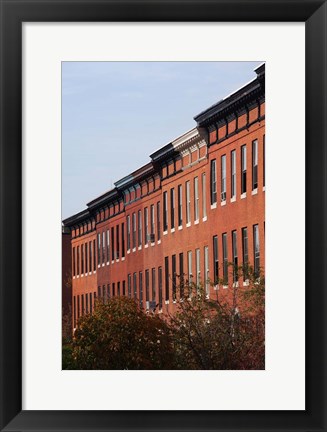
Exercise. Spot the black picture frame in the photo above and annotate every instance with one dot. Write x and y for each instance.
(13, 14)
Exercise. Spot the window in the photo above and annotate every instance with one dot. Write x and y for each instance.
(141, 288)
(113, 290)
(146, 225)
(147, 283)
(99, 249)
(117, 242)
(189, 269)
(166, 279)
(123, 240)
(165, 212)
(153, 284)
(113, 254)
(129, 285)
(108, 291)
(158, 221)
(91, 305)
(204, 196)
(128, 232)
(74, 311)
(233, 173)
(245, 253)
(77, 260)
(196, 198)
(94, 256)
(188, 203)
(134, 230)
(223, 178)
(254, 164)
(86, 303)
(118, 288)
(264, 160)
(256, 250)
(139, 222)
(82, 259)
(90, 256)
(206, 270)
(225, 259)
(243, 169)
(172, 208)
(103, 247)
(74, 262)
(135, 285)
(213, 181)
(152, 222)
(83, 307)
(197, 267)
(180, 205)
(124, 288)
(78, 308)
(86, 258)
(181, 274)
(235, 257)
(160, 286)
(173, 270)
(215, 261)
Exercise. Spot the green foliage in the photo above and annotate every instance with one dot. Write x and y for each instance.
(121, 336)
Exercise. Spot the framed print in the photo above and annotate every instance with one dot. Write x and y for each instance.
(44, 42)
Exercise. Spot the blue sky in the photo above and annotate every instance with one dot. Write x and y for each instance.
(115, 114)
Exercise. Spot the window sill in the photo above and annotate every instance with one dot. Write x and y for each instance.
(73, 277)
(86, 274)
(117, 260)
(243, 195)
(196, 222)
(246, 282)
(223, 203)
(165, 232)
(225, 286)
(159, 242)
(166, 301)
(213, 206)
(134, 249)
(107, 262)
(254, 192)
(98, 265)
(102, 264)
(264, 189)
(90, 273)
(113, 262)
(128, 251)
(139, 248)
(94, 271)
(188, 224)
(204, 219)
(146, 246)
(180, 227)
(172, 230)
(235, 284)
(123, 258)
(153, 243)
(233, 199)
(82, 275)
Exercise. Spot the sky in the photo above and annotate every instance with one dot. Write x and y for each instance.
(115, 114)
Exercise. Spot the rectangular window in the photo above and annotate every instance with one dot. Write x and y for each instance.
(264, 160)
(146, 226)
(139, 223)
(77, 260)
(83, 306)
(147, 283)
(152, 223)
(243, 169)
(188, 202)
(128, 233)
(82, 259)
(124, 288)
(158, 221)
(204, 196)
(160, 286)
(90, 256)
(113, 252)
(103, 247)
(91, 303)
(172, 208)
(197, 267)
(223, 178)
(74, 311)
(233, 173)
(180, 205)
(254, 164)
(153, 284)
(196, 198)
(256, 250)
(108, 291)
(123, 240)
(166, 279)
(245, 253)
(135, 285)
(235, 257)
(129, 285)
(206, 271)
(99, 292)
(99, 249)
(225, 259)
(94, 256)
(189, 270)
(86, 258)
(215, 261)
(213, 181)
(117, 242)
(181, 275)
(78, 307)
(165, 211)
(118, 288)
(108, 245)
(134, 231)
(74, 263)
(86, 303)
(141, 288)
(173, 271)
(113, 289)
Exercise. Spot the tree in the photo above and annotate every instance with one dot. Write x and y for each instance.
(225, 333)
(119, 335)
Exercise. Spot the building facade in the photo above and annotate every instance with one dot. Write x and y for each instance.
(197, 206)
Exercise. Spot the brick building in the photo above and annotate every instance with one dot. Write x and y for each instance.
(198, 205)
